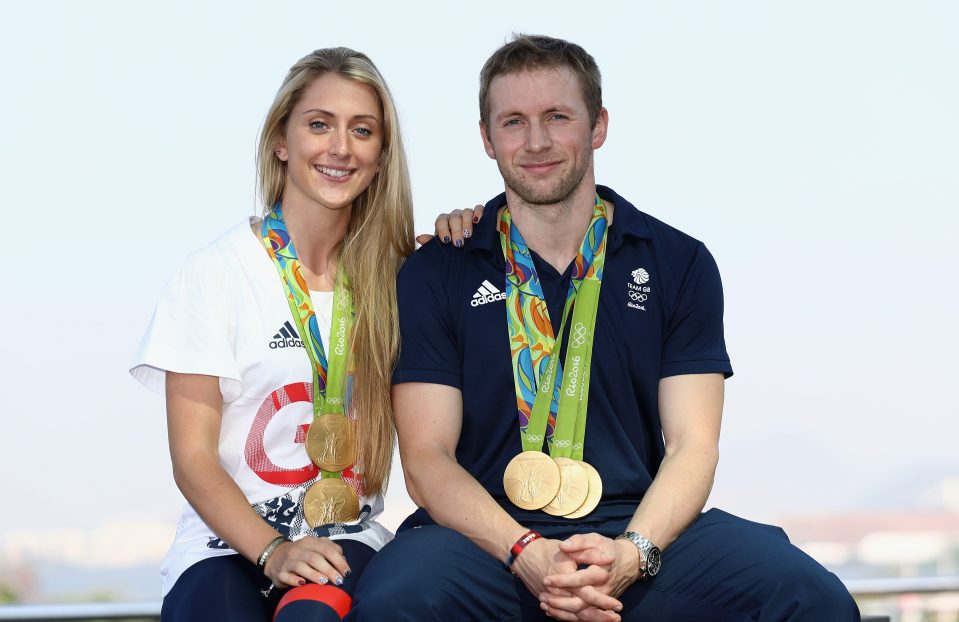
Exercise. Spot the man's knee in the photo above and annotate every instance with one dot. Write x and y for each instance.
(405, 580)
(828, 599)
(817, 594)
(434, 573)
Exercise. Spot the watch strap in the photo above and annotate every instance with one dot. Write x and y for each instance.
(647, 550)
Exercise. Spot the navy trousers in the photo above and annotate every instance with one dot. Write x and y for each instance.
(228, 588)
(722, 569)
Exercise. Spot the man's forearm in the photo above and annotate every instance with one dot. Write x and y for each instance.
(456, 500)
(677, 494)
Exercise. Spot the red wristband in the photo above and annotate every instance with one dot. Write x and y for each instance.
(518, 547)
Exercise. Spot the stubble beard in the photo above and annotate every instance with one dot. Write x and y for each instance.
(567, 183)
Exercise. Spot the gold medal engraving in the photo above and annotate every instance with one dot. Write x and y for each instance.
(531, 480)
(329, 443)
(330, 500)
(573, 488)
(594, 495)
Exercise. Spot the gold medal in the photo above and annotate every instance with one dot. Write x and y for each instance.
(329, 443)
(531, 480)
(594, 495)
(330, 500)
(573, 488)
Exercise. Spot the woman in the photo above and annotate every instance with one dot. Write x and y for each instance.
(256, 342)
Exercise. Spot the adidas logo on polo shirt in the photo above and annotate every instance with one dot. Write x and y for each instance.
(485, 293)
(286, 337)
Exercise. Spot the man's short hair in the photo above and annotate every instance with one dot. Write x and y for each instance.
(530, 52)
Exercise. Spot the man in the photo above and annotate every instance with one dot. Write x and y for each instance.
(565, 285)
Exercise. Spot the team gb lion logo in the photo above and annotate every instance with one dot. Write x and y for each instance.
(640, 276)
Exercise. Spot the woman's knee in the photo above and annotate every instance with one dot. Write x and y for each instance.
(225, 587)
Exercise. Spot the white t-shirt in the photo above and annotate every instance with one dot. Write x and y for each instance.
(224, 313)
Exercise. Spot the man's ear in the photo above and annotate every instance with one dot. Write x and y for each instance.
(487, 143)
(600, 128)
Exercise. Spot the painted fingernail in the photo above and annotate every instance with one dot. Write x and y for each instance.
(338, 580)
(475, 218)
(348, 574)
(446, 239)
(301, 582)
(466, 233)
(323, 581)
(458, 243)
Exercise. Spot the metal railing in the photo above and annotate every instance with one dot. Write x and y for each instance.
(894, 587)
(86, 611)
(908, 598)
(150, 611)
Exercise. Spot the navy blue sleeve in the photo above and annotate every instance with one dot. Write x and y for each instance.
(694, 342)
(428, 351)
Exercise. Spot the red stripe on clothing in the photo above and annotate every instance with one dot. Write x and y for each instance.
(297, 392)
(329, 595)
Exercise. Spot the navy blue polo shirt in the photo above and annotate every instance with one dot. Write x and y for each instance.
(660, 314)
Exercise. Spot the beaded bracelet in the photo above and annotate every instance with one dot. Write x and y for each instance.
(518, 547)
(268, 551)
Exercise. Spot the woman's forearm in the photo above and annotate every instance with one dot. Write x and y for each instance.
(194, 406)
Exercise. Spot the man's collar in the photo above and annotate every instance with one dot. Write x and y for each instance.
(486, 233)
(627, 221)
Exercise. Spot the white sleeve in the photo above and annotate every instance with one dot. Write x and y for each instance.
(193, 326)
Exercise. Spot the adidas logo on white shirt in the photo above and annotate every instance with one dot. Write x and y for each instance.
(485, 293)
(286, 337)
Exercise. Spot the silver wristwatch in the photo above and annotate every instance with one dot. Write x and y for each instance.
(651, 556)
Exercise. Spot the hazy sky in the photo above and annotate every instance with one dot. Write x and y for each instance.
(813, 146)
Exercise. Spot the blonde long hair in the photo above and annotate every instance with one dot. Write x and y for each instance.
(378, 238)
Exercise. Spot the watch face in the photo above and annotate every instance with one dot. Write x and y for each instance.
(653, 562)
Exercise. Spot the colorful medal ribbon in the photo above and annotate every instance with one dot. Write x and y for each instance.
(329, 369)
(556, 414)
